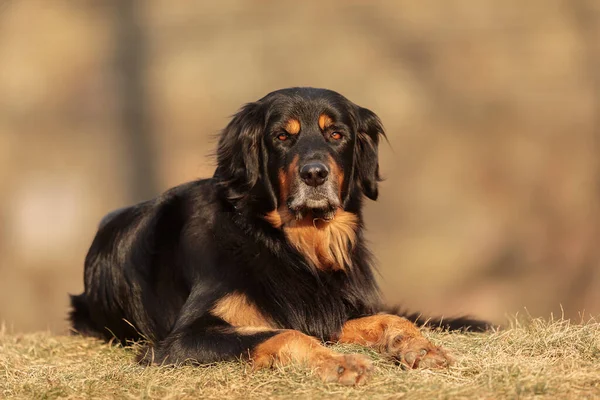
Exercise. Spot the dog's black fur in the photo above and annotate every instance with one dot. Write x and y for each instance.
(156, 270)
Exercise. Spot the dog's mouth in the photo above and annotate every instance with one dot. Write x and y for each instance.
(314, 205)
(314, 213)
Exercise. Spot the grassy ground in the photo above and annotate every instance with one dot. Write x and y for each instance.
(537, 358)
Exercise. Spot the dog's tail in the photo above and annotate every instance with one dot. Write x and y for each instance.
(461, 324)
(81, 320)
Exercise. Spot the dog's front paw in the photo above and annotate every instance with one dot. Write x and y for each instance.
(417, 352)
(346, 369)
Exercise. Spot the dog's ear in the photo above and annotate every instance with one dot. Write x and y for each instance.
(238, 152)
(367, 159)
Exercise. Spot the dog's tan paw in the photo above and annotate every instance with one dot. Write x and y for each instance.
(418, 352)
(346, 369)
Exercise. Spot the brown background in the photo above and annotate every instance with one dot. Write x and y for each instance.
(492, 195)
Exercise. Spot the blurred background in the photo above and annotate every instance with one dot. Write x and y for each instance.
(491, 202)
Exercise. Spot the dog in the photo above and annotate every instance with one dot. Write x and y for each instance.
(267, 259)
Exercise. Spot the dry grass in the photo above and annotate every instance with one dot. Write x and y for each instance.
(551, 359)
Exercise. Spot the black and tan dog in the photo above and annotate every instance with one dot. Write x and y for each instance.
(264, 260)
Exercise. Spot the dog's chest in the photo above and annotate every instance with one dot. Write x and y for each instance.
(309, 305)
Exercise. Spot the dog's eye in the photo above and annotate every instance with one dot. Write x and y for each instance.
(282, 136)
(336, 136)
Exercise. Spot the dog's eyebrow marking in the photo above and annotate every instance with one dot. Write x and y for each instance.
(325, 121)
(292, 126)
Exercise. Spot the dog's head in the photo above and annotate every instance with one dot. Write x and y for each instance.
(302, 151)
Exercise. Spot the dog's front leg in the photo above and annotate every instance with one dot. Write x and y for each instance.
(397, 338)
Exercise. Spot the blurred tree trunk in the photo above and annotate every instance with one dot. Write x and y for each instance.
(586, 20)
(129, 64)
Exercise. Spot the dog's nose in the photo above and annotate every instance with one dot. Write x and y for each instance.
(314, 174)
